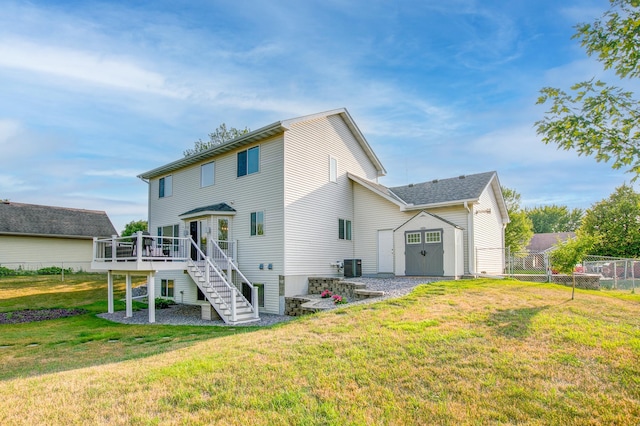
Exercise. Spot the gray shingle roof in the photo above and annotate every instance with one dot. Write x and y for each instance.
(32, 219)
(544, 241)
(220, 207)
(460, 188)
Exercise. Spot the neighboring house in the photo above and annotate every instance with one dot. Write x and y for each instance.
(34, 236)
(299, 197)
(545, 241)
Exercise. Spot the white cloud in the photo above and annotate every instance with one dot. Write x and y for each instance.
(8, 130)
(94, 68)
(123, 173)
(12, 184)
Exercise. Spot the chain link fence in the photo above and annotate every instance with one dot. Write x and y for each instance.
(614, 272)
(44, 268)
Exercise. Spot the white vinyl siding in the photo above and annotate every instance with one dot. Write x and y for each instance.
(39, 252)
(489, 234)
(373, 213)
(311, 245)
(255, 192)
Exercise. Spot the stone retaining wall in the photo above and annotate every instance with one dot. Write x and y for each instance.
(293, 306)
(336, 286)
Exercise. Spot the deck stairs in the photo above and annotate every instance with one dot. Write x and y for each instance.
(220, 291)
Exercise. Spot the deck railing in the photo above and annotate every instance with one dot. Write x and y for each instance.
(140, 247)
(143, 247)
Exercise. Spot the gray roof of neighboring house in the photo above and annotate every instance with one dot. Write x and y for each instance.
(466, 187)
(544, 241)
(32, 219)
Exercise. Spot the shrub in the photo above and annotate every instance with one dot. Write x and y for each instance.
(162, 303)
(53, 270)
(6, 272)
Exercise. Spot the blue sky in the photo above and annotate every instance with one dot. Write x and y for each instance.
(94, 93)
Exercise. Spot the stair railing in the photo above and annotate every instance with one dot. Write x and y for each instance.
(233, 267)
(209, 267)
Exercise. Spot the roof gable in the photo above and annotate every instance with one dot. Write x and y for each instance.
(263, 133)
(32, 219)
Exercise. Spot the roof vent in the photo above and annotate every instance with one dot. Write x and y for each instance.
(410, 185)
(434, 181)
(461, 177)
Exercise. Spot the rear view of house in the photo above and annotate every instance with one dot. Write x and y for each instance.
(297, 198)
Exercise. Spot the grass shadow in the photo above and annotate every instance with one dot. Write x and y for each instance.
(514, 323)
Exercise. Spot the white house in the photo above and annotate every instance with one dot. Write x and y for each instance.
(296, 199)
(34, 236)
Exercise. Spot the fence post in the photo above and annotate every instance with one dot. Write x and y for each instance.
(62, 271)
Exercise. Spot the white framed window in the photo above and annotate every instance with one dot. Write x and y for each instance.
(207, 174)
(166, 288)
(249, 161)
(344, 229)
(414, 238)
(333, 169)
(165, 187)
(171, 232)
(432, 237)
(257, 223)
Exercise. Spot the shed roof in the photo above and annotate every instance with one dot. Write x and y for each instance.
(37, 220)
(437, 191)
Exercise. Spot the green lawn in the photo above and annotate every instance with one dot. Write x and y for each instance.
(463, 352)
(81, 341)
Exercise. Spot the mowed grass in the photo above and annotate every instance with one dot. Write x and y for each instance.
(464, 352)
(36, 348)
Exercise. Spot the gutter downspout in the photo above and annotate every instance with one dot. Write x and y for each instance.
(471, 262)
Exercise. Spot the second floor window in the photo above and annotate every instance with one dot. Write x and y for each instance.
(206, 174)
(166, 187)
(249, 161)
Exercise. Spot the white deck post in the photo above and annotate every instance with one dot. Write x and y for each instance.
(151, 296)
(129, 297)
(254, 299)
(109, 292)
(139, 246)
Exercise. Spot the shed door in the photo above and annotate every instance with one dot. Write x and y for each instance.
(385, 251)
(424, 252)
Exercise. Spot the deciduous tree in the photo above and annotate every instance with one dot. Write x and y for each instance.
(554, 218)
(133, 227)
(596, 118)
(219, 136)
(566, 255)
(519, 230)
(616, 222)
